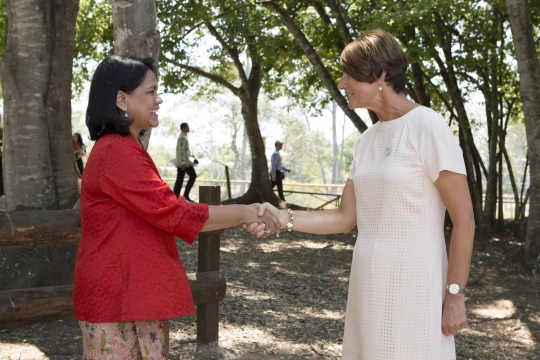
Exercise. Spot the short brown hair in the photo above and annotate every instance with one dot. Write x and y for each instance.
(373, 52)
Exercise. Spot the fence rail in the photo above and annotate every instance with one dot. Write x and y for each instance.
(23, 229)
(322, 194)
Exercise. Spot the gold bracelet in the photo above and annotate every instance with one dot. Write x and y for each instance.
(290, 224)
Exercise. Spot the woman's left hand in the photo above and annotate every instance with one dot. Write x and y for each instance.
(454, 317)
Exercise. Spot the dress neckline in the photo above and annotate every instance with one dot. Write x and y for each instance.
(390, 124)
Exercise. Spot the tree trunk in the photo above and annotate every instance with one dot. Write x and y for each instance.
(489, 206)
(449, 77)
(335, 164)
(522, 204)
(468, 143)
(501, 159)
(62, 20)
(243, 164)
(36, 81)
(512, 182)
(342, 151)
(260, 189)
(419, 87)
(519, 16)
(500, 218)
(136, 33)
(39, 161)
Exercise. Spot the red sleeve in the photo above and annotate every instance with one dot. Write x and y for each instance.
(128, 175)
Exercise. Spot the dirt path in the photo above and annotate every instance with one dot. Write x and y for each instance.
(286, 300)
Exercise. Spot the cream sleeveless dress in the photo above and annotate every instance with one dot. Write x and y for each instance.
(399, 266)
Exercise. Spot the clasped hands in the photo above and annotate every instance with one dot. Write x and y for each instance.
(268, 220)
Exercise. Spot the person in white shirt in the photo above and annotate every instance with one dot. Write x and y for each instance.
(277, 172)
(184, 164)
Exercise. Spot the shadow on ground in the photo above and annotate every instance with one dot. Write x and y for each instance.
(286, 300)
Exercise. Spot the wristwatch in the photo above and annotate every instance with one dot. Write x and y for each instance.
(454, 289)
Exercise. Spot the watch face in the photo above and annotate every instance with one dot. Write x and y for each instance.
(453, 288)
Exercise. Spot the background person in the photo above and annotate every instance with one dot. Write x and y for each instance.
(277, 170)
(80, 150)
(183, 163)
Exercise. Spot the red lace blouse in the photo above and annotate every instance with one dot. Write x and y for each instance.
(128, 267)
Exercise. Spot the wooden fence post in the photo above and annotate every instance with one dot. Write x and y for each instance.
(209, 243)
(228, 177)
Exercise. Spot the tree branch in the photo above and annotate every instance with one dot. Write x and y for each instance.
(319, 7)
(219, 16)
(342, 24)
(215, 78)
(318, 65)
(232, 51)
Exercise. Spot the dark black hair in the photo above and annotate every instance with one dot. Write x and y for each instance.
(79, 139)
(114, 73)
(183, 125)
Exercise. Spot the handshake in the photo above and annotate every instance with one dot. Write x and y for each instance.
(267, 220)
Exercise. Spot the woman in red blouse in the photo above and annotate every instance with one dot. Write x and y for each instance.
(128, 277)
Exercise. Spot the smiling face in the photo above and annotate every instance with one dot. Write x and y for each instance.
(359, 94)
(142, 104)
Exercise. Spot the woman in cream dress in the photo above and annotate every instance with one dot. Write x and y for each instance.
(406, 297)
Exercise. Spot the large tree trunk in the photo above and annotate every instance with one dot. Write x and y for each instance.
(62, 20)
(136, 33)
(39, 161)
(36, 82)
(519, 16)
(260, 188)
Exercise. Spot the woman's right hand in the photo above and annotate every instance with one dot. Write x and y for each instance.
(263, 223)
(257, 228)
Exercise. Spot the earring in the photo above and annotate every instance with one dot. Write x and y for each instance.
(380, 88)
(125, 110)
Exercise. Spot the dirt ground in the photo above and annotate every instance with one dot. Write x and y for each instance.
(286, 300)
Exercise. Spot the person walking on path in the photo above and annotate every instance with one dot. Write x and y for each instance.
(129, 279)
(80, 150)
(183, 163)
(277, 171)
(406, 297)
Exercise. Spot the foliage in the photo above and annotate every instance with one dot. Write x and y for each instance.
(3, 27)
(249, 35)
(94, 40)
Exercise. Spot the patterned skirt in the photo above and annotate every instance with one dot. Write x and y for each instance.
(125, 340)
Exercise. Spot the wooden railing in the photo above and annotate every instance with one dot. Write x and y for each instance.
(21, 307)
